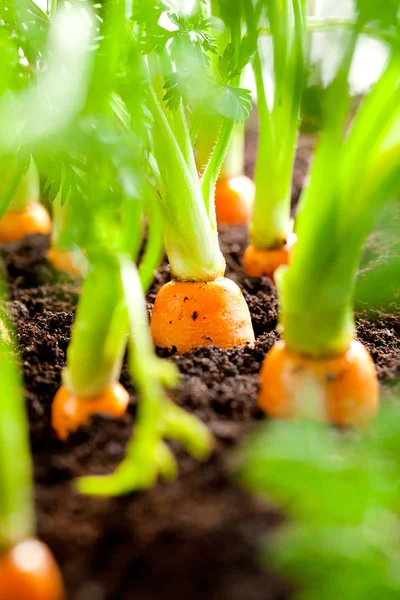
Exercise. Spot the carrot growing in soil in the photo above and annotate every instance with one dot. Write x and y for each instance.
(109, 196)
(148, 456)
(234, 191)
(22, 212)
(20, 209)
(199, 306)
(112, 303)
(271, 228)
(63, 256)
(27, 568)
(318, 352)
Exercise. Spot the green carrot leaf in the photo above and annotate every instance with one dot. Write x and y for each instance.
(232, 103)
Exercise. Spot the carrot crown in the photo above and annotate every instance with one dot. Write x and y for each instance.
(352, 175)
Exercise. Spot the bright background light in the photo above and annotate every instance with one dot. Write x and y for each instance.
(368, 61)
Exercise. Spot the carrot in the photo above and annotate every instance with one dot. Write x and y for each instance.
(64, 261)
(265, 262)
(16, 224)
(234, 198)
(345, 386)
(188, 314)
(70, 410)
(28, 571)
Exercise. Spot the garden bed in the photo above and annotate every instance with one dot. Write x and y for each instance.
(199, 536)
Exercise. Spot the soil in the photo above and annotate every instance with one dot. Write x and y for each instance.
(198, 537)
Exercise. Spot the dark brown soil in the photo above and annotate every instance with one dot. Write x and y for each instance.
(197, 537)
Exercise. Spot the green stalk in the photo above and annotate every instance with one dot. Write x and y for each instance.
(51, 7)
(317, 290)
(234, 160)
(154, 249)
(270, 224)
(212, 170)
(178, 123)
(190, 239)
(18, 189)
(95, 354)
(16, 495)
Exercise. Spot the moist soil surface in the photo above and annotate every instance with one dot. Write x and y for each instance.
(200, 536)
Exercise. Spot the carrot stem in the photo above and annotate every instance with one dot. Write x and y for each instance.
(16, 496)
(317, 289)
(98, 340)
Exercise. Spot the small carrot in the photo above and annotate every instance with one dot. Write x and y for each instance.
(67, 262)
(95, 353)
(188, 314)
(70, 410)
(259, 262)
(269, 228)
(234, 199)
(24, 212)
(16, 224)
(345, 387)
(28, 571)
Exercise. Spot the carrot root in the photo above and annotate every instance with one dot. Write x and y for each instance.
(191, 314)
(65, 262)
(265, 262)
(234, 199)
(28, 571)
(70, 410)
(15, 225)
(343, 389)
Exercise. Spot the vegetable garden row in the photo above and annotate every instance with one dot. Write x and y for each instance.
(122, 151)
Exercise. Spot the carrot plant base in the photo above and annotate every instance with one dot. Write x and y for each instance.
(69, 410)
(265, 262)
(234, 199)
(28, 571)
(343, 390)
(15, 225)
(188, 314)
(65, 262)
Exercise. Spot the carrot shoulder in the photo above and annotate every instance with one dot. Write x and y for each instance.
(342, 389)
(234, 198)
(66, 262)
(70, 411)
(190, 314)
(16, 224)
(28, 571)
(259, 262)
